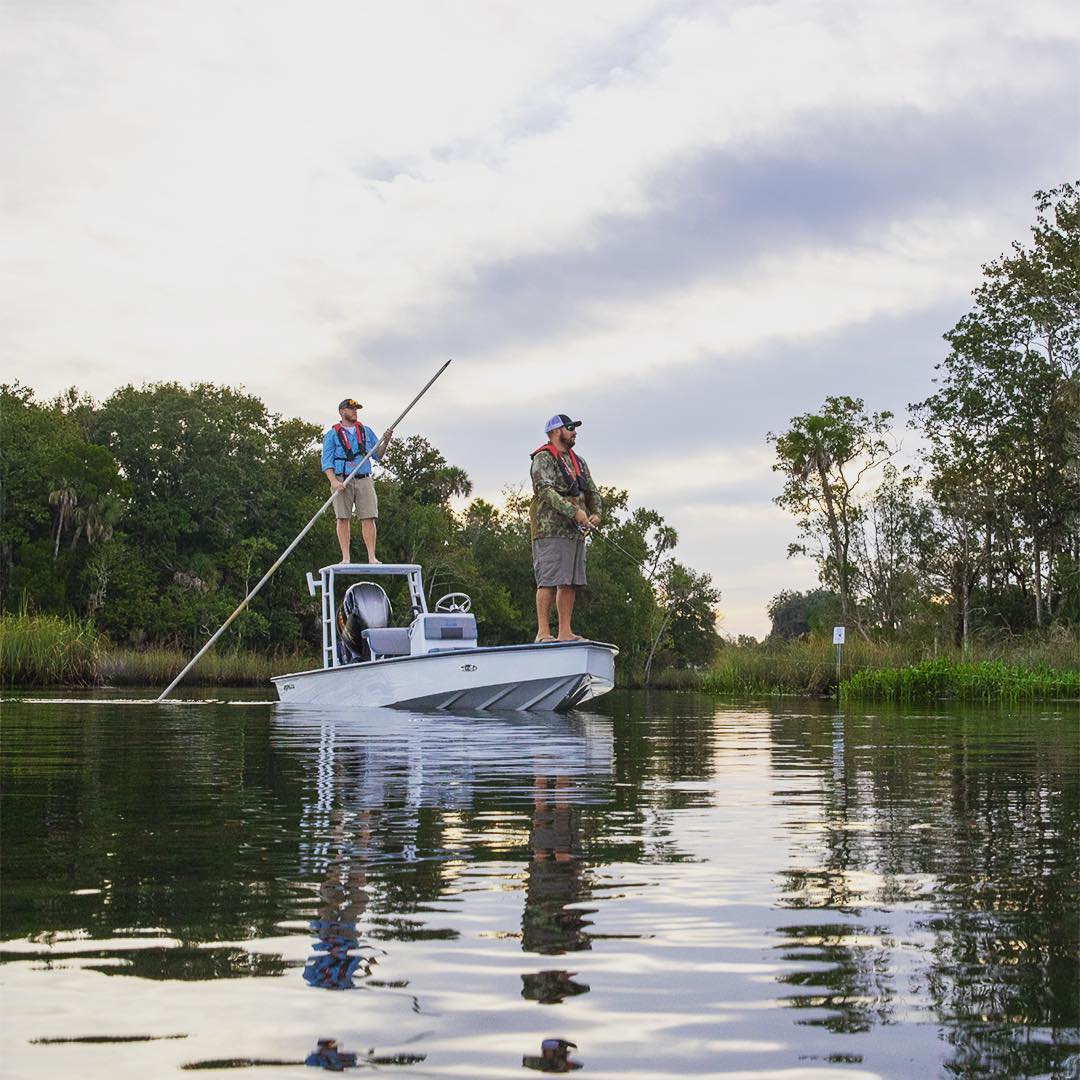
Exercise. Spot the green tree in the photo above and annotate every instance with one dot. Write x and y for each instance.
(156, 511)
(25, 473)
(219, 487)
(795, 614)
(1006, 409)
(422, 473)
(194, 458)
(55, 489)
(65, 498)
(886, 547)
(824, 457)
(687, 633)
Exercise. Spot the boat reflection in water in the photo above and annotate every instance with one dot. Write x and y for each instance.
(392, 801)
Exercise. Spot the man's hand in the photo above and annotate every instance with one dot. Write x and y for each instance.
(336, 484)
(383, 443)
(594, 520)
(582, 519)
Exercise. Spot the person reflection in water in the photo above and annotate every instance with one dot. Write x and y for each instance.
(555, 880)
(344, 899)
(554, 1057)
(551, 987)
(326, 1055)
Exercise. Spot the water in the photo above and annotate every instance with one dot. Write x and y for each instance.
(680, 887)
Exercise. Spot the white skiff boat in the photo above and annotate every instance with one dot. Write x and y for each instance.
(435, 662)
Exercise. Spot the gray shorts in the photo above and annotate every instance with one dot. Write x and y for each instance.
(357, 500)
(558, 560)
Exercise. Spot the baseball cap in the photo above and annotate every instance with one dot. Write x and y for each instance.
(350, 403)
(561, 420)
(557, 1045)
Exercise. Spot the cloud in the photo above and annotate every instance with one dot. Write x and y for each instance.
(723, 210)
(694, 220)
(203, 174)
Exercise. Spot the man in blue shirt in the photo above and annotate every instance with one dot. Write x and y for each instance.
(344, 447)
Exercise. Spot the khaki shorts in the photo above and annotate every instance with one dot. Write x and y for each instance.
(357, 500)
(558, 560)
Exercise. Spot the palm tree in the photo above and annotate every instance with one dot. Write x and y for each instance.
(98, 520)
(65, 499)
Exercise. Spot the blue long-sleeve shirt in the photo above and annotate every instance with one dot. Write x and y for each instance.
(333, 456)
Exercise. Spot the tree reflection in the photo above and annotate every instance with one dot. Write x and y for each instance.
(952, 816)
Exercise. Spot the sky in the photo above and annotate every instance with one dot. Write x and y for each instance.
(682, 222)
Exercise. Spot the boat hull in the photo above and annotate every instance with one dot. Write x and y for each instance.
(554, 676)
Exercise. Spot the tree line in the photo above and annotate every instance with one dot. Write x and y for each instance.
(982, 534)
(150, 514)
(153, 512)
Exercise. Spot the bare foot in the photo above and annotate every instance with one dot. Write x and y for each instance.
(374, 562)
(572, 637)
(543, 639)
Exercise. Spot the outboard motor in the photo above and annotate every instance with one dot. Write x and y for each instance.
(365, 606)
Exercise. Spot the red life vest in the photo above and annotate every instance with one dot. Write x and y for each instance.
(344, 440)
(569, 477)
(553, 450)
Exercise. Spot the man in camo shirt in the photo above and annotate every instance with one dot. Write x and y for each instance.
(565, 504)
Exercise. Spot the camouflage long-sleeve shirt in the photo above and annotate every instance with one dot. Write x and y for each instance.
(551, 512)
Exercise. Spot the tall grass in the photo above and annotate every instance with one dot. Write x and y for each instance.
(46, 650)
(232, 667)
(1046, 665)
(806, 667)
(989, 680)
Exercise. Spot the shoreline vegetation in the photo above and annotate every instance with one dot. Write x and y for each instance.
(1029, 667)
(42, 651)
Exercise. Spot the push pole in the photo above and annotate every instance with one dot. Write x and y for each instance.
(288, 551)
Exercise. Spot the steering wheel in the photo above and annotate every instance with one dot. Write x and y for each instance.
(453, 603)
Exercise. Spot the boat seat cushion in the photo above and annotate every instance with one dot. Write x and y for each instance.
(389, 641)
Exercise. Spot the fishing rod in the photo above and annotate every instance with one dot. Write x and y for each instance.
(668, 601)
(594, 530)
(299, 536)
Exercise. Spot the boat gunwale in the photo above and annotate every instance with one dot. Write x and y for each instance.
(614, 649)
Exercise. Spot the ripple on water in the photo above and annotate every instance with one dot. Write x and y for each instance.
(678, 887)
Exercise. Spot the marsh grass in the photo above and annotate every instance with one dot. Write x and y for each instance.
(1033, 667)
(990, 680)
(46, 650)
(804, 668)
(230, 667)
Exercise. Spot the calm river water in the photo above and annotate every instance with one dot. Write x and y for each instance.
(678, 886)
